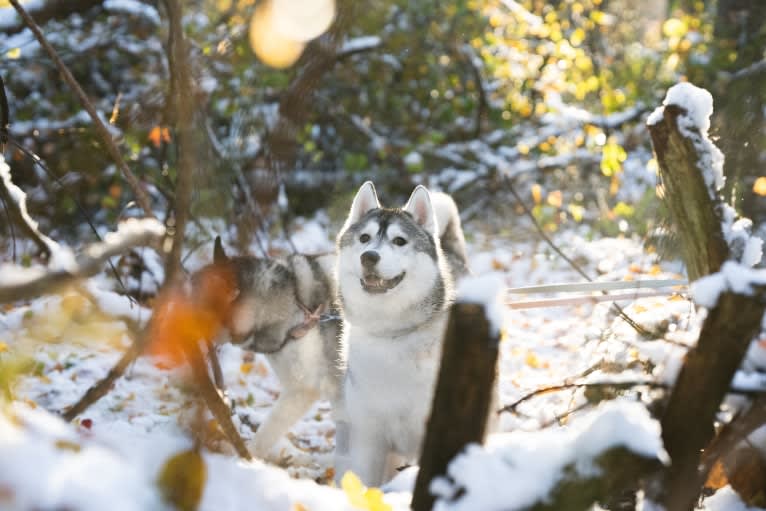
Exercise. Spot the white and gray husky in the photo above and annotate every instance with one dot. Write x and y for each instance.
(395, 274)
(277, 310)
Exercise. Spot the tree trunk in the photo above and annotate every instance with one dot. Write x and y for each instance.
(463, 396)
(687, 424)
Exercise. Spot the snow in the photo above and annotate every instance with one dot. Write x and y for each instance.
(726, 499)
(694, 123)
(71, 467)
(9, 17)
(145, 418)
(360, 43)
(534, 462)
(487, 290)
(732, 277)
(61, 258)
(134, 8)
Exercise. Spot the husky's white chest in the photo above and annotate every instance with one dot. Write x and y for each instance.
(390, 382)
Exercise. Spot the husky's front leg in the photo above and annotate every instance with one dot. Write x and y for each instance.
(291, 406)
(362, 451)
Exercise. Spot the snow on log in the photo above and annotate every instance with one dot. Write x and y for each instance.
(691, 171)
(570, 468)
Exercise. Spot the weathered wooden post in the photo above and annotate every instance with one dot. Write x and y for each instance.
(689, 166)
(463, 395)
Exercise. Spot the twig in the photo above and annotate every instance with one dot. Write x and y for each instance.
(101, 387)
(5, 116)
(511, 408)
(141, 197)
(619, 385)
(212, 398)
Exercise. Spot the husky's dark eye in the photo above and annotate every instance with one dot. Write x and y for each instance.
(399, 241)
(364, 238)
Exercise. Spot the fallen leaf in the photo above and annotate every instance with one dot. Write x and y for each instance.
(182, 480)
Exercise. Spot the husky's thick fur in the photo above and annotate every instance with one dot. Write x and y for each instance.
(395, 274)
(276, 312)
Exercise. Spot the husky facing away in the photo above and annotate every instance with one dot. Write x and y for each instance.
(276, 311)
(395, 273)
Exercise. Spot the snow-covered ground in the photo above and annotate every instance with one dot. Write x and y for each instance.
(111, 456)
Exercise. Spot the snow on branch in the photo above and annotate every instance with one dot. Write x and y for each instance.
(17, 283)
(358, 45)
(43, 11)
(60, 258)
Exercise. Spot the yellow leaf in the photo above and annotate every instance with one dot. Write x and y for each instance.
(537, 193)
(361, 497)
(555, 199)
(13, 53)
(246, 367)
(533, 361)
(182, 480)
(3, 347)
(297, 506)
(638, 309)
(759, 187)
(674, 27)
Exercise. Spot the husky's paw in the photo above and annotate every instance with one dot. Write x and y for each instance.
(283, 454)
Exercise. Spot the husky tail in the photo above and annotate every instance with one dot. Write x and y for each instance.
(450, 233)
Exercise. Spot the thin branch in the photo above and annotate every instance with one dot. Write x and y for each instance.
(140, 194)
(617, 385)
(212, 398)
(103, 386)
(5, 118)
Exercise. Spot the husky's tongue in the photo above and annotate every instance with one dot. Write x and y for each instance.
(374, 284)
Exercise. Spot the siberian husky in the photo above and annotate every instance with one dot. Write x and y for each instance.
(395, 273)
(277, 310)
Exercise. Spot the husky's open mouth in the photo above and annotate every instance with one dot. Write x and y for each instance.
(376, 285)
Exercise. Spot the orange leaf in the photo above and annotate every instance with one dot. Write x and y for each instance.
(759, 187)
(181, 320)
(158, 135)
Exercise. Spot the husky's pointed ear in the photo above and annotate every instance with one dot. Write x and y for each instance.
(365, 200)
(219, 255)
(421, 209)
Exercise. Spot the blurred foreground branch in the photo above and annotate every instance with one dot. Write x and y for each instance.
(19, 283)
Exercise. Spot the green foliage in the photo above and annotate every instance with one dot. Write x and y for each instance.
(445, 73)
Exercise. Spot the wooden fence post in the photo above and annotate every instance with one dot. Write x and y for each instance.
(463, 395)
(687, 423)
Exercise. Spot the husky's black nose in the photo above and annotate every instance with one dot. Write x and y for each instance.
(370, 258)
